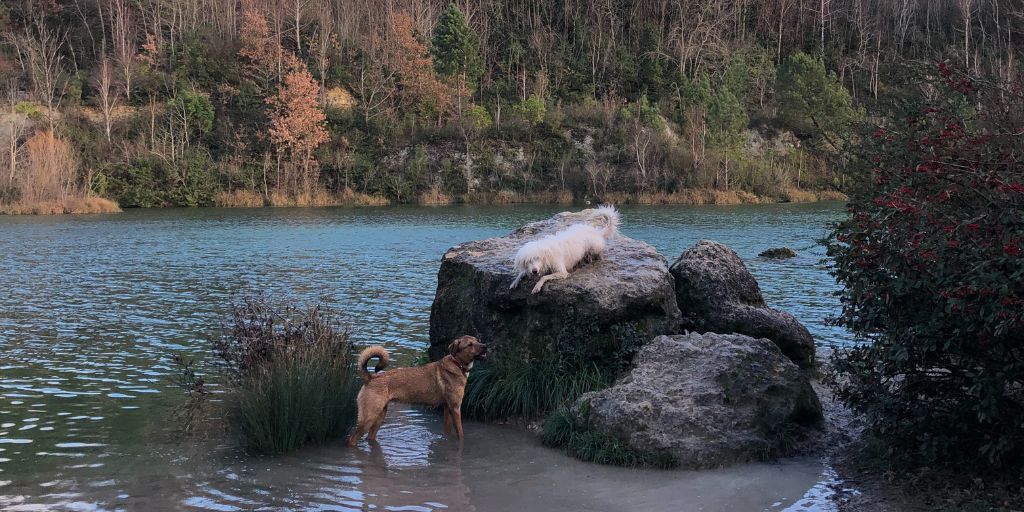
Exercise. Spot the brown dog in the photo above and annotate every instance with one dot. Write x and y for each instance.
(441, 383)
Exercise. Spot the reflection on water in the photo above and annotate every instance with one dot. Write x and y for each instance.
(92, 308)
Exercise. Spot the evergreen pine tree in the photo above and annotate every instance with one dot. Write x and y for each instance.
(455, 48)
(812, 100)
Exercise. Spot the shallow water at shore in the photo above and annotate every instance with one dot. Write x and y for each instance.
(95, 306)
(416, 468)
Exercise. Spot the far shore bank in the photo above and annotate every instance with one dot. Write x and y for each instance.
(250, 199)
(69, 205)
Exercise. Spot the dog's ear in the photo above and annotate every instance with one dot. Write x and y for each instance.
(455, 346)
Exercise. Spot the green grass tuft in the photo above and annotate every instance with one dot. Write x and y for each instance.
(304, 398)
(529, 386)
(562, 430)
(516, 389)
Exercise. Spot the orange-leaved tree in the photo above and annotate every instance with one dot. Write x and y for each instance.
(297, 126)
(260, 50)
(421, 90)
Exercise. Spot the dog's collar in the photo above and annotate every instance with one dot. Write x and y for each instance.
(462, 367)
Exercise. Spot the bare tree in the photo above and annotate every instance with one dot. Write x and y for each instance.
(642, 151)
(966, 8)
(297, 6)
(599, 174)
(14, 128)
(107, 92)
(784, 7)
(122, 31)
(824, 19)
(905, 10)
(325, 42)
(42, 60)
(375, 87)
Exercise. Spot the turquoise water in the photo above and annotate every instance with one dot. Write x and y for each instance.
(92, 308)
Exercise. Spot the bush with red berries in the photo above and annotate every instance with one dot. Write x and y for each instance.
(931, 258)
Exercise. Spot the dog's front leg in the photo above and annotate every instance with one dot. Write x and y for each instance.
(457, 419)
(515, 282)
(447, 420)
(455, 410)
(550, 277)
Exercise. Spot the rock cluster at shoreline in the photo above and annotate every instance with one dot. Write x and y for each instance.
(735, 388)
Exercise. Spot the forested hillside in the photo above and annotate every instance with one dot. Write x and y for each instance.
(253, 102)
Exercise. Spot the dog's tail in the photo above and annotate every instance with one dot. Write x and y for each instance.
(610, 215)
(370, 353)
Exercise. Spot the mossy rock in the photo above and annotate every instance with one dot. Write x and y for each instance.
(704, 400)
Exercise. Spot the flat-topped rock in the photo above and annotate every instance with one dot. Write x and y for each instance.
(630, 286)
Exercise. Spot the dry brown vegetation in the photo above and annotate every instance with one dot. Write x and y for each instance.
(434, 197)
(701, 196)
(43, 170)
(809, 196)
(251, 199)
(510, 197)
(61, 206)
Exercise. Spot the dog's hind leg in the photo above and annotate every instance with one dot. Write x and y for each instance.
(561, 274)
(372, 438)
(362, 427)
(367, 409)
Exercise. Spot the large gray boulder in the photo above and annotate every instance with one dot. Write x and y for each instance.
(707, 399)
(716, 293)
(630, 289)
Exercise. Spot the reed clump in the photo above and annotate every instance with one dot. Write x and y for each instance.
(529, 386)
(288, 375)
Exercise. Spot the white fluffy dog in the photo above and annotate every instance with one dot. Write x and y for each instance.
(555, 255)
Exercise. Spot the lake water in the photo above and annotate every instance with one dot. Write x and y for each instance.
(93, 307)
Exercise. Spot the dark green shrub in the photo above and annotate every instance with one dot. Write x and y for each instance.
(932, 263)
(812, 100)
(564, 430)
(191, 180)
(136, 185)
